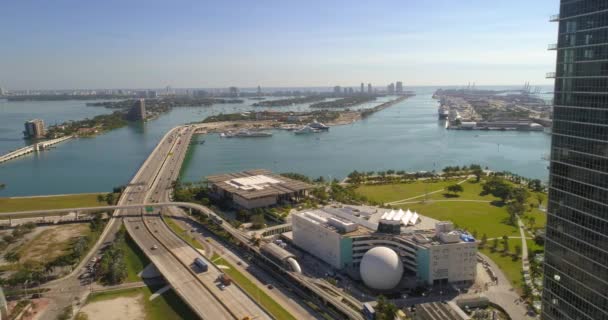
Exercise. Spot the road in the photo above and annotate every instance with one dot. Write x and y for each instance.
(171, 255)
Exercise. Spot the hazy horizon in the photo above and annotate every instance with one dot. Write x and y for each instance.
(203, 44)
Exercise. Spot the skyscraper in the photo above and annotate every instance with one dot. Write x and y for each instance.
(362, 87)
(337, 90)
(391, 88)
(399, 88)
(138, 111)
(259, 92)
(34, 129)
(369, 88)
(576, 248)
(233, 92)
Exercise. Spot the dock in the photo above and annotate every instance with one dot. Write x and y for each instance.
(40, 146)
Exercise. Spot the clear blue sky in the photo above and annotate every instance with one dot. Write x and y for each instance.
(196, 43)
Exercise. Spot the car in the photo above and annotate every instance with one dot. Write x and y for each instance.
(222, 286)
(239, 263)
(136, 227)
(154, 247)
(270, 287)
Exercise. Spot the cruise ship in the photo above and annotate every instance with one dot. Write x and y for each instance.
(318, 126)
(443, 112)
(306, 130)
(246, 134)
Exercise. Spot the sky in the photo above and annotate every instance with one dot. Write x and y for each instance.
(94, 44)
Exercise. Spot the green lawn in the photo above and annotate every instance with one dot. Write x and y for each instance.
(49, 202)
(511, 268)
(393, 192)
(135, 259)
(167, 306)
(473, 216)
(271, 306)
(182, 233)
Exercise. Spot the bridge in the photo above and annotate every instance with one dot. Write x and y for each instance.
(32, 148)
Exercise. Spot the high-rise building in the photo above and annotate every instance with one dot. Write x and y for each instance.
(138, 111)
(259, 93)
(1, 91)
(362, 87)
(576, 247)
(233, 92)
(390, 88)
(34, 129)
(337, 90)
(399, 87)
(369, 88)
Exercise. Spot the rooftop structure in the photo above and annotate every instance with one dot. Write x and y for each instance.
(257, 188)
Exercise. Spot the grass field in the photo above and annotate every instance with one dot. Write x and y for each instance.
(135, 259)
(49, 202)
(52, 242)
(167, 306)
(393, 192)
(271, 306)
(474, 216)
(512, 269)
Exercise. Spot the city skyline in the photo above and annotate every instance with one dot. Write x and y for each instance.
(274, 44)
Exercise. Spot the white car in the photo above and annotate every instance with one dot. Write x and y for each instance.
(154, 247)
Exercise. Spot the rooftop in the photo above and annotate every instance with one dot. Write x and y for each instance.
(259, 183)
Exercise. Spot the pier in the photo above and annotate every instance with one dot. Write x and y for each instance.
(32, 148)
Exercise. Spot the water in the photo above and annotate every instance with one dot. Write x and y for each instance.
(406, 136)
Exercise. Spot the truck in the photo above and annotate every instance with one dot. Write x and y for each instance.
(368, 311)
(198, 262)
(224, 279)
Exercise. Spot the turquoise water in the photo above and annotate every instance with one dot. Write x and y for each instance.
(405, 136)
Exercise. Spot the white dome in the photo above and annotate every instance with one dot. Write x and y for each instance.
(381, 268)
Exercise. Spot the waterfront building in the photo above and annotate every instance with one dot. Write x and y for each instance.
(1, 91)
(576, 239)
(34, 129)
(257, 188)
(428, 251)
(369, 88)
(138, 111)
(399, 87)
(390, 88)
(233, 92)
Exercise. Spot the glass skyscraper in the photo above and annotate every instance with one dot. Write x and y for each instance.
(576, 249)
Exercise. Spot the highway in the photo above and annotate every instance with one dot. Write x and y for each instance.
(168, 252)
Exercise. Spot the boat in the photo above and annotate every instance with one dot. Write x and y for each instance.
(247, 134)
(318, 126)
(306, 130)
(443, 112)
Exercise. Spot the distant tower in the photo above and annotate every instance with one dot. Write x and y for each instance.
(259, 91)
(391, 88)
(233, 92)
(362, 87)
(1, 91)
(34, 129)
(399, 88)
(369, 88)
(168, 90)
(337, 90)
(138, 111)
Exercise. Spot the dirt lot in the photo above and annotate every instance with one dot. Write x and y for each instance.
(116, 309)
(52, 242)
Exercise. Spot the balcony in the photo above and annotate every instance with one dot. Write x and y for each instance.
(554, 18)
(550, 75)
(552, 46)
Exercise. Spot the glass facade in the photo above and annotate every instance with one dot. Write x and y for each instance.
(576, 250)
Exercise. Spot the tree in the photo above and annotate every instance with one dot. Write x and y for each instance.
(385, 310)
(515, 209)
(505, 244)
(536, 185)
(2, 186)
(520, 195)
(455, 188)
(110, 198)
(498, 187)
(484, 240)
(478, 173)
(494, 244)
(540, 198)
(517, 251)
(101, 198)
(258, 221)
